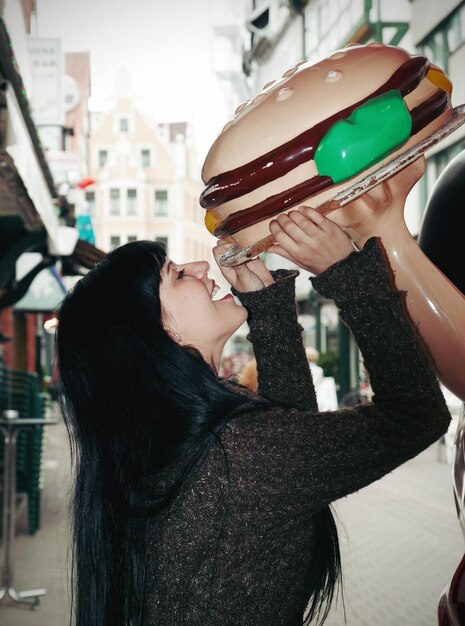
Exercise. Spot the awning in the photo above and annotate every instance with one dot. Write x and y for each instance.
(87, 255)
(26, 159)
(45, 293)
(14, 198)
(28, 213)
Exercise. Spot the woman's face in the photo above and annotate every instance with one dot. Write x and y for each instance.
(191, 315)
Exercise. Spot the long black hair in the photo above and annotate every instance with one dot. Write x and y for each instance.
(133, 401)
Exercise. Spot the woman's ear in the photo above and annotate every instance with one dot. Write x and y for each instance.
(168, 323)
(174, 336)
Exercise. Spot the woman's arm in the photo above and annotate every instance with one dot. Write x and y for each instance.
(284, 376)
(302, 463)
(283, 373)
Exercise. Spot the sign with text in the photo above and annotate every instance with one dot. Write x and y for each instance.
(47, 78)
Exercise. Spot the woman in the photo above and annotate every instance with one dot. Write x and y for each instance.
(196, 501)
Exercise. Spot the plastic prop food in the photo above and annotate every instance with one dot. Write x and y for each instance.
(317, 131)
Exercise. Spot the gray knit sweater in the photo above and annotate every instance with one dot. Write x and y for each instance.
(242, 554)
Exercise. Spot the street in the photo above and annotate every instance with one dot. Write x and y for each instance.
(400, 540)
(401, 545)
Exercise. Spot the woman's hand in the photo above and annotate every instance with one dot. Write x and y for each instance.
(250, 276)
(310, 240)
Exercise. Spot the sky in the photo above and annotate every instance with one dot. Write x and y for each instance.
(164, 44)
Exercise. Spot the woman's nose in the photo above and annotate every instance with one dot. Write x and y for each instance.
(199, 269)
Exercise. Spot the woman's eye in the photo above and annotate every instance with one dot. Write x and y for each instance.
(180, 274)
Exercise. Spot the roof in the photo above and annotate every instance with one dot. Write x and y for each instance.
(15, 198)
(22, 226)
(86, 254)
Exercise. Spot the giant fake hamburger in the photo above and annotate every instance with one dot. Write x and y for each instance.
(317, 130)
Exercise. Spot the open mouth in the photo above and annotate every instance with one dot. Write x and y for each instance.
(215, 290)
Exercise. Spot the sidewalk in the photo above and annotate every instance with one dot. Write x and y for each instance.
(401, 546)
(40, 560)
(400, 541)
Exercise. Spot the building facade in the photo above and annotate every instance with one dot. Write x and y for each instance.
(438, 32)
(147, 181)
(43, 145)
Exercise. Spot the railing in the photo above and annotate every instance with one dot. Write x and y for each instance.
(20, 391)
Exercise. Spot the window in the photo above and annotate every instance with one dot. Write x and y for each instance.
(90, 199)
(115, 241)
(102, 158)
(161, 202)
(124, 125)
(114, 202)
(262, 19)
(145, 158)
(132, 238)
(164, 241)
(332, 22)
(460, 26)
(445, 39)
(131, 202)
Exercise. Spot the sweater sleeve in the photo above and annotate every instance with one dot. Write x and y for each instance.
(284, 375)
(285, 467)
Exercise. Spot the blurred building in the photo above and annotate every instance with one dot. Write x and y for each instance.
(228, 35)
(66, 140)
(38, 239)
(438, 31)
(147, 179)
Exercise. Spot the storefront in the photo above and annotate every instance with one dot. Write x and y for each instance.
(38, 250)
